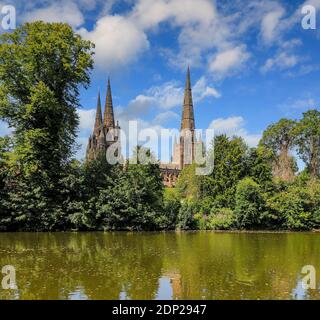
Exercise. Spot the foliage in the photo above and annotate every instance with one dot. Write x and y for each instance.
(308, 141)
(133, 201)
(293, 207)
(279, 138)
(42, 66)
(171, 206)
(188, 184)
(249, 204)
(259, 166)
(186, 215)
(221, 219)
(230, 156)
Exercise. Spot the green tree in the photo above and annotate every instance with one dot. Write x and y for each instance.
(134, 200)
(42, 66)
(5, 219)
(221, 219)
(308, 141)
(292, 208)
(279, 138)
(259, 165)
(189, 184)
(249, 204)
(230, 156)
(186, 215)
(171, 207)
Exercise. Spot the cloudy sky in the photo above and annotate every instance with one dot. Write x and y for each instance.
(251, 61)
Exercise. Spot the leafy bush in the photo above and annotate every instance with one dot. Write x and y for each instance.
(133, 201)
(201, 221)
(171, 207)
(314, 192)
(221, 219)
(249, 204)
(293, 208)
(185, 218)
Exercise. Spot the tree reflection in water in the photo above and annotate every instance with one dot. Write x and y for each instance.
(194, 265)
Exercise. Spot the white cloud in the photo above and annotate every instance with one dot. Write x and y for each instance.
(122, 38)
(281, 62)
(82, 143)
(118, 41)
(164, 117)
(226, 62)
(141, 105)
(150, 13)
(87, 118)
(303, 70)
(227, 125)
(270, 24)
(208, 34)
(62, 11)
(304, 103)
(235, 126)
(285, 57)
(168, 95)
(202, 90)
(298, 105)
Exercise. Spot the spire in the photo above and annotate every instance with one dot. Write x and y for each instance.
(98, 121)
(101, 140)
(108, 112)
(187, 114)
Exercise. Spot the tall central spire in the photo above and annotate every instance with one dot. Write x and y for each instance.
(187, 121)
(108, 112)
(98, 121)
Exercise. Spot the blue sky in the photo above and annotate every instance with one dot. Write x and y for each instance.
(251, 61)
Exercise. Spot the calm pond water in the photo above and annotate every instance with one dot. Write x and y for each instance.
(199, 265)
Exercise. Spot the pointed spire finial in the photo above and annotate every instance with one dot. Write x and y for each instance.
(188, 82)
(188, 114)
(98, 120)
(108, 112)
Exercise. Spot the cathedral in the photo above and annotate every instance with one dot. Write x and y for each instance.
(106, 132)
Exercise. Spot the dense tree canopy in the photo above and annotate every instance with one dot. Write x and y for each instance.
(308, 141)
(279, 139)
(230, 155)
(42, 66)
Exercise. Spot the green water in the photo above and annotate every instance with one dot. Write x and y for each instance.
(199, 265)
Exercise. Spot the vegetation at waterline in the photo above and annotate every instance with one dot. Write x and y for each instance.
(42, 187)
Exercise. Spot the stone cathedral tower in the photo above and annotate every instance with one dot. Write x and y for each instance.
(187, 136)
(184, 146)
(105, 132)
(184, 150)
